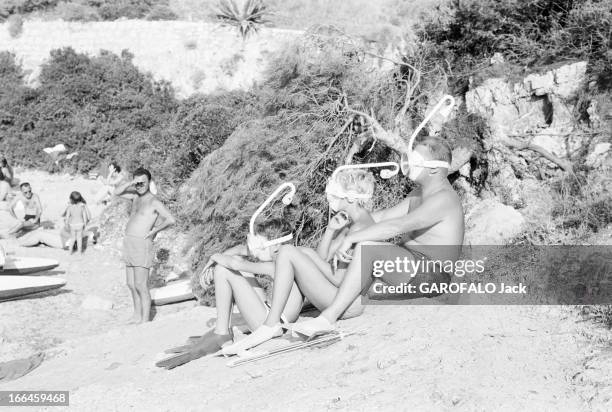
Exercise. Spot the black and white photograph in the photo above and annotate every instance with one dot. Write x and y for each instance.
(306, 205)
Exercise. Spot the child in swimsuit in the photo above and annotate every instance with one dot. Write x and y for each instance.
(76, 219)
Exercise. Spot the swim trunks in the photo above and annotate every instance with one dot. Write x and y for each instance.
(30, 217)
(137, 251)
(77, 227)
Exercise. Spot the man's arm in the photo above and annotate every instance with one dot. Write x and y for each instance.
(124, 190)
(167, 218)
(39, 208)
(430, 212)
(399, 210)
(12, 207)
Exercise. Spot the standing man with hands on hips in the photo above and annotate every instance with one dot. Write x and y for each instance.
(148, 217)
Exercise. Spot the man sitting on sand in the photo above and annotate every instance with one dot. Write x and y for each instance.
(32, 207)
(142, 227)
(430, 221)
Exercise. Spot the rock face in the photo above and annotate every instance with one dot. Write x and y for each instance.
(540, 104)
(492, 223)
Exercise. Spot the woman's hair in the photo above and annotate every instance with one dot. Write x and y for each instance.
(76, 198)
(359, 181)
(273, 228)
(4, 162)
(116, 166)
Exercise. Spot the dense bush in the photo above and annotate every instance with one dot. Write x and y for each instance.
(15, 25)
(161, 12)
(526, 32)
(102, 107)
(76, 12)
(90, 10)
(10, 7)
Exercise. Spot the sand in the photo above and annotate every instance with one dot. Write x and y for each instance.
(412, 357)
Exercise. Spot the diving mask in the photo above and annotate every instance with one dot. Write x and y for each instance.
(413, 164)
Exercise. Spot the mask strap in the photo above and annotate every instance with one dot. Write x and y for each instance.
(445, 111)
(278, 241)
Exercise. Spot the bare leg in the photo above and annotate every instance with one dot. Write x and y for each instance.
(79, 240)
(352, 284)
(289, 262)
(37, 237)
(141, 283)
(129, 272)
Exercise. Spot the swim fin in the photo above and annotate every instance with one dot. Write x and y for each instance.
(207, 345)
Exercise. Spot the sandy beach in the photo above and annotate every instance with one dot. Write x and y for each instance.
(425, 355)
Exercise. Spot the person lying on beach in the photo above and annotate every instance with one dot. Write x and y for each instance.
(148, 217)
(431, 222)
(234, 282)
(32, 206)
(76, 218)
(55, 238)
(316, 272)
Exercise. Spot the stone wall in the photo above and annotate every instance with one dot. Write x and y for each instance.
(193, 56)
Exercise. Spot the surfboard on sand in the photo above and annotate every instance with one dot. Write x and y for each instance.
(18, 265)
(17, 286)
(173, 292)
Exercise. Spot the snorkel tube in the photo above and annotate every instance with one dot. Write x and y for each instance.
(414, 159)
(256, 241)
(334, 188)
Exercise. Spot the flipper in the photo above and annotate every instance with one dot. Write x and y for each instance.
(174, 361)
(208, 344)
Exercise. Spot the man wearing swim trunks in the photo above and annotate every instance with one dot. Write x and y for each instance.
(148, 217)
(32, 207)
(430, 221)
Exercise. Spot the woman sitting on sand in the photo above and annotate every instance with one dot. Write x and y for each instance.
(318, 274)
(234, 283)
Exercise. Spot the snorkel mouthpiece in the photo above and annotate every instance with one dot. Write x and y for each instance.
(411, 162)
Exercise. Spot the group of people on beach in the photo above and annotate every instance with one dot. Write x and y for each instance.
(28, 228)
(429, 221)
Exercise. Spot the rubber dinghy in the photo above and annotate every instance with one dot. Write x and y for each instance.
(17, 286)
(173, 292)
(19, 265)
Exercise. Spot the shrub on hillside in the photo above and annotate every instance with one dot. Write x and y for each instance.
(69, 11)
(15, 25)
(10, 7)
(161, 12)
(526, 32)
(103, 107)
